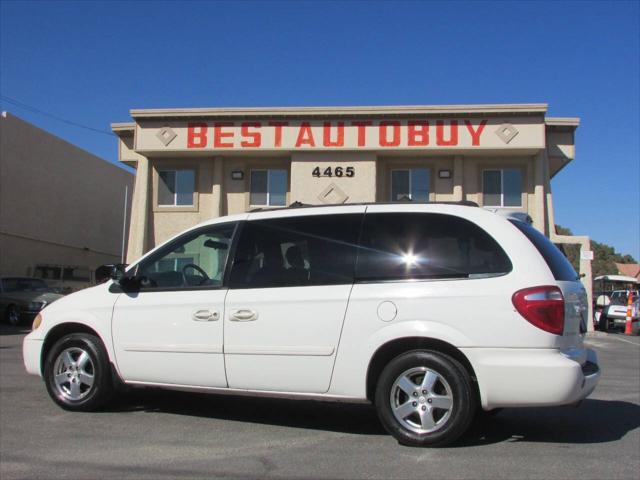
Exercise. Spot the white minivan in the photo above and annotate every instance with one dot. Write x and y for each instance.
(430, 311)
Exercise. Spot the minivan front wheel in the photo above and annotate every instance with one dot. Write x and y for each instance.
(77, 373)
(425, 398)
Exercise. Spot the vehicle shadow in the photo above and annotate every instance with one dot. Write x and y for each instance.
(308, 414)
(594, 421)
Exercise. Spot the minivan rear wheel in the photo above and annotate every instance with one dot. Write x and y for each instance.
(425, 398)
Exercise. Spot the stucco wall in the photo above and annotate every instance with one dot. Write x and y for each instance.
(54, 192)
(306, 188)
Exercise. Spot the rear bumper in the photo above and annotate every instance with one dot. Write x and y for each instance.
(533, 377)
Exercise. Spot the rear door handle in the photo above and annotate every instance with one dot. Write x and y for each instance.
(243, 315)
(205, 316)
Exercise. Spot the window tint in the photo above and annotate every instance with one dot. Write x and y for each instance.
(176, 187)
(400, 185)
(410, 185)
(502, 188)
(557, 262)
(258, 195)
(268, 188)
(195, 260)
(426, 245)
(512, 185)
(491, 188)
(296, 251)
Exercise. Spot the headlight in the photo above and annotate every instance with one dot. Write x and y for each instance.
(36, 322)
(36, 306)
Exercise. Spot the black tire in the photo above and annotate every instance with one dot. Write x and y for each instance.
(12, 316)
(87, 397)
(452, 380)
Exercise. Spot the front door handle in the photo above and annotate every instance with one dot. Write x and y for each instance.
(205, 316)
(243, 315)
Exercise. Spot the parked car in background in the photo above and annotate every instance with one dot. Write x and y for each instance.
(22, 298)
(429, 311)
(614, 315)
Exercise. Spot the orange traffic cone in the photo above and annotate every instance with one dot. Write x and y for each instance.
(627, 326)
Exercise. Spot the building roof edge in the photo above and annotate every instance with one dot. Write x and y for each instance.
(524, 108)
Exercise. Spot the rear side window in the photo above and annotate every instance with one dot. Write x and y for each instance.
(558, 264)
(296, 251)
(398, 246)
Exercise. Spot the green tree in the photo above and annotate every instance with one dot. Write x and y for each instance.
(604, 256)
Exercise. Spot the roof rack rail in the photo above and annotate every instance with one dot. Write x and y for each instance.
(298, 204)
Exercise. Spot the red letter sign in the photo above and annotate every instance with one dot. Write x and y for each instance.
(475, 134)
(384, 141)
(196, 139)
(305, 135)
(326, 135)
(278, 133)
(219, 135)
(453, 133)
(362, 131)
(418, 134)
(244, 131)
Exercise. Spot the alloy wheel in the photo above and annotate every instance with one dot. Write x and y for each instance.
(421, 400)
(74, 373)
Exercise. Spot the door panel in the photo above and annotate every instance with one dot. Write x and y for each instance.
(159, 338)
(291, 343)
(288, 293)
(171, 331)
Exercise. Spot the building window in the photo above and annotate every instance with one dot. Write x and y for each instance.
(502, 188)
(410, 185)
(176, 188)
(268, 188)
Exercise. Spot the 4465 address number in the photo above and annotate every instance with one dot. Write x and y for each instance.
(334, 172)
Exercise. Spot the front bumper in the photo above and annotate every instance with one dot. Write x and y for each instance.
(533, 377)
(31, 352)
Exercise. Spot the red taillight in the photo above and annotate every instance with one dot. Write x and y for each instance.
(542, 307)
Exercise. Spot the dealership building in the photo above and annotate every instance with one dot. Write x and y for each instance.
(198, 163)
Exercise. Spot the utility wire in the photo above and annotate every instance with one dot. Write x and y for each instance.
(51, 115)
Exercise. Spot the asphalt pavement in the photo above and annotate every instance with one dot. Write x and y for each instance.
(155, 434)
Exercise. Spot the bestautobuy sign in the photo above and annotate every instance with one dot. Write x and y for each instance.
(469, 133)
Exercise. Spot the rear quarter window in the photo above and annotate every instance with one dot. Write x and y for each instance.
(406, 246)
(559, 265)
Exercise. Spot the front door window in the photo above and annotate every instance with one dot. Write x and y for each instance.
(195, 260)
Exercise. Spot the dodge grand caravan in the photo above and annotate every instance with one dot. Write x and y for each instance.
(430, 311)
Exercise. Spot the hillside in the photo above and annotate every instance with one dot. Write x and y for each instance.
(604, 256)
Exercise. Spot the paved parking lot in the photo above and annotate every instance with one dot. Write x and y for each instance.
(156, 435)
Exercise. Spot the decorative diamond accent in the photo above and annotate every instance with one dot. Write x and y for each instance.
(506, 132)
(333, 194)
(166, 135)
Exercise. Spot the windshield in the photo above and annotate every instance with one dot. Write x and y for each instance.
(621, 297)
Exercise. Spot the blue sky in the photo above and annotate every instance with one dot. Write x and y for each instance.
(90, 62)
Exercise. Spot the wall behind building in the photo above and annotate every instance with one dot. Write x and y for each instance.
(58, 203)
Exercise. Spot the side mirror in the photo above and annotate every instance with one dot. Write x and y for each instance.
(110, 272)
